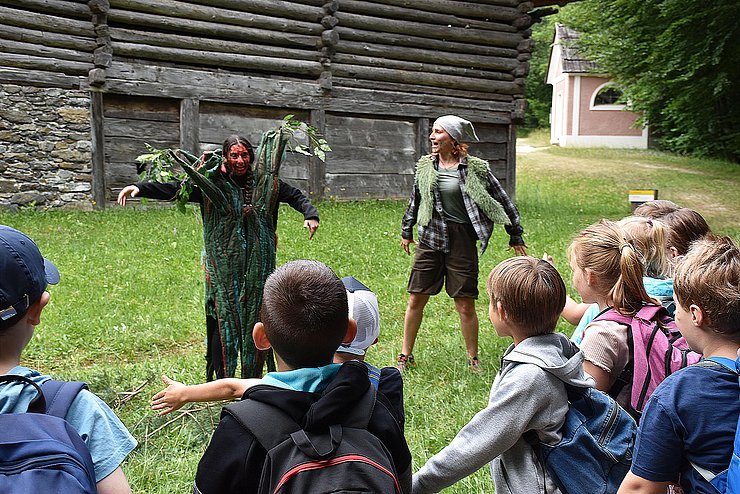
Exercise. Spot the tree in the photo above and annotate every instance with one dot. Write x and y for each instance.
(678, 62)
(537, 91)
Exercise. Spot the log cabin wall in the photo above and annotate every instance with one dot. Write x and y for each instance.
(372, 75)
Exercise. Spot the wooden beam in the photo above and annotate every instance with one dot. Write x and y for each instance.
(422, 137)
(272, 8)
(461, 35)
(97, 135)
(217, 15)
(190, 125)
(317, 168)
(433, 80)
(511, 163)
(40, 78)
(410, 90)
(46, 64)
(435, 68)
(217, 59)
(212, 30)
(55, 7)
(23, 48)
(417, 12)
(498, 9)
(215, 45)
(43, 22)
(428, 56)
(47, 38)
(367, 36)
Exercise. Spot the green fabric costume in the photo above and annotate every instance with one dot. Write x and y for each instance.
(239, 250)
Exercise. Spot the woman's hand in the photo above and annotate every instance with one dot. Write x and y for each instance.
(169, 399)
(126, 192)
(405, 242)
(520, 250)
(312, 224)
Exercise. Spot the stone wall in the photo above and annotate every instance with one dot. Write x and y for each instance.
(45, 148)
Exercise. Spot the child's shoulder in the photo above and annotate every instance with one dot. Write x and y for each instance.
(701, 381)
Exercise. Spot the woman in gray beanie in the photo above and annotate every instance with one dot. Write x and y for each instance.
(455, 202)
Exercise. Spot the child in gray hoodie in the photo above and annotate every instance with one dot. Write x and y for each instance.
(527, 296)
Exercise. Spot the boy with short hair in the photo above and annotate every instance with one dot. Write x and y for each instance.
(24, 276)
(304, 318)
(688, 425)
(362, 308)
(527, 296)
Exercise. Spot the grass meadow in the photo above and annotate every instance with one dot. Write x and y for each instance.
(129, 304)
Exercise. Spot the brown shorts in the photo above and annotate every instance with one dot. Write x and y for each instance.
(458, 269)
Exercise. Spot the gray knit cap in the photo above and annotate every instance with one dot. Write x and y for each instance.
(459, 129)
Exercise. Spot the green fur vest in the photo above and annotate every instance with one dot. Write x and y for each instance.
(474, 187)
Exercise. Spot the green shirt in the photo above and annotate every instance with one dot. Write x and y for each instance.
(448, 182)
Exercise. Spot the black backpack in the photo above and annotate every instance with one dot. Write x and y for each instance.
(39, 451)
(345, 458)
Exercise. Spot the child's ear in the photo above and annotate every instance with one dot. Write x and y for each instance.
(501, 311)
(351, 331)
(260, 338)
(674, 252)
(697, 315)
(589, 276)
(33, 315)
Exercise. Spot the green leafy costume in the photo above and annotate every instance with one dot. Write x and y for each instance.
(239, 250)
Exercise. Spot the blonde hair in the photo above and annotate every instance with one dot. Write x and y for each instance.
(709, 277)
(608, 251)
(530, 290)
(649, 236)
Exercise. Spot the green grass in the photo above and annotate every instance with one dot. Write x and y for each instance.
(129, 305)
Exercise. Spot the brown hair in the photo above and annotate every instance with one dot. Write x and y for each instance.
(530, 290)
(649, 236)
(460, 150)
(304, 310)
(709, 277)
(655, 209)
(684, 227)
(606, 250)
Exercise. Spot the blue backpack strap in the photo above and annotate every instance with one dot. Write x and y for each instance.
(60, 395)
(733, 365)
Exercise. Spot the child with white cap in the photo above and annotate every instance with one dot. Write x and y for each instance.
(363, 308)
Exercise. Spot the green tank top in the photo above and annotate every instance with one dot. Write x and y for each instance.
(453, 206)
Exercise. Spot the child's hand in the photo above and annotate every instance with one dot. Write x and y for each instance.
(169, 399)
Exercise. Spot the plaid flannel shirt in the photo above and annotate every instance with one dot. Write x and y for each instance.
(435, 236)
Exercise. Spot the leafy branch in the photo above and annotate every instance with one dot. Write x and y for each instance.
(317, 145)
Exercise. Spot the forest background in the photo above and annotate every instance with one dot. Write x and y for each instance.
(677, 62)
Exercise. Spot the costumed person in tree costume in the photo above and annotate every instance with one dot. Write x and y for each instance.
(456, 201)
(239, 200)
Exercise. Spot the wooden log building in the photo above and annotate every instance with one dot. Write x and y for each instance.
(371, 75)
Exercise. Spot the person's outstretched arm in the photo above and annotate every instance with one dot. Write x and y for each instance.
(114, 483)
(176, 394)
(298, 201)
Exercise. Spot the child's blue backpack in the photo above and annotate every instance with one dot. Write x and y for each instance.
(39, 451)
(727, 481)
(595, 452)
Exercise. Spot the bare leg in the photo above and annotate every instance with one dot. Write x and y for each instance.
(412, 320)
(468, 324)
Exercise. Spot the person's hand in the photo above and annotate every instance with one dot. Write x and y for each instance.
(520, 250)
(312, 224)
(126, 192)
(405, 242)
(169, 399)
(547, 257)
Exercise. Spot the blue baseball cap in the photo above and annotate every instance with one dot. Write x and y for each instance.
(24, 273)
